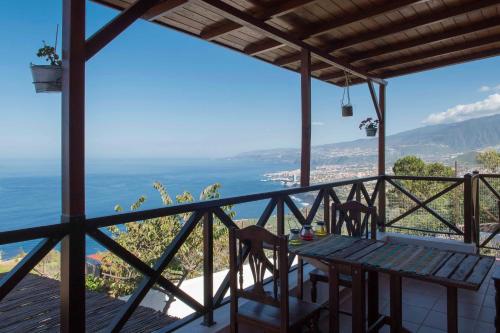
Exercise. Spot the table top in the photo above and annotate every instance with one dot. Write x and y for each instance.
(449, 268)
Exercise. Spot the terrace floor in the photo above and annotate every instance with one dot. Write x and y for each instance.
(33, 306)
(424, 308)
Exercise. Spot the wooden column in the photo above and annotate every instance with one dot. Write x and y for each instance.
(305, 89)
(381, 155)
(73, 158)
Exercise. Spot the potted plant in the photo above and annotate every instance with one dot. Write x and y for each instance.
(346, 104)
(370, 126)
(47, 78)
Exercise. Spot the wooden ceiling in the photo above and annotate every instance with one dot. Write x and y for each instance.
(370, 38)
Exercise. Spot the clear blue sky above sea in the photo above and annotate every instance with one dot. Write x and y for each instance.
(156, 93)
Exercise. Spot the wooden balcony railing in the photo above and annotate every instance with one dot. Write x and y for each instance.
(364, 189)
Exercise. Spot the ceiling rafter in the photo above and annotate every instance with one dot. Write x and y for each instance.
(324, 27)
(267, 30)
(272, 11)
(163, 8)
(403, 59)
(419, 21)
(421, 40)
(442, 63)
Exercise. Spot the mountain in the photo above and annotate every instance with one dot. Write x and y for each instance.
(436, 142)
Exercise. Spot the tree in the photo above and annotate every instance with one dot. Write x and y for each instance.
(423, 189)
(490, 159)
(148, 240)
(415, 166)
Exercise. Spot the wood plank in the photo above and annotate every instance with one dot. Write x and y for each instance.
(377, 258)
(450, 266)
(481, 270)
(270, 12)
(396, 258)
(366, 251)
(355, 247)
(465, 268)
(270, 31)
(435, 262)
(433, 17)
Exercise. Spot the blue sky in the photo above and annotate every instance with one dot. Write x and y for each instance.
(157, 93)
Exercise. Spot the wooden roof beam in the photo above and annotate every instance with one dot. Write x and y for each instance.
(272, 11)
(267, 30)
(116, 26)
(420, 21)
(442, 63)
(463, 46)
(432, 38)
(324, 27)
(408, 44)
(163, 8)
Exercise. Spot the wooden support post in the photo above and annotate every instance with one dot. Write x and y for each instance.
(300, 278)
(333, 298)
(373, 308)
(208, 269)
(381, 157)
(73, 172)
(452, 309)
(468, 208)
(396, 304)
(305, 85)
(496, 281)
(358, 299)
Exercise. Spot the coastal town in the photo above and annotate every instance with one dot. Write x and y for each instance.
(323, 174)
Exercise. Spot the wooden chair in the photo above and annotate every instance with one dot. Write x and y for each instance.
(268, 311)
(350, 215)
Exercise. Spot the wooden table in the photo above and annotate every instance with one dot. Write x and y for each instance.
(448, 268)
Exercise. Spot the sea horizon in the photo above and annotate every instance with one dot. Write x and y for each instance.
(32, 192)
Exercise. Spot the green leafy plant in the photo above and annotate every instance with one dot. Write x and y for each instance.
(148, 240)
(368, 123)
(490, 160)
(49, 53)
(94, 283)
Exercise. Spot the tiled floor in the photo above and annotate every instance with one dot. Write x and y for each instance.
(424, 308)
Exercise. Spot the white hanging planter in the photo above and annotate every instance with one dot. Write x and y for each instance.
(47, 78)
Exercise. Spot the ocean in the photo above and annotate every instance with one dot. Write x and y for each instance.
(30, 191)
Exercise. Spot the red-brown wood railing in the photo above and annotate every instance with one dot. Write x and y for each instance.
(205, 212)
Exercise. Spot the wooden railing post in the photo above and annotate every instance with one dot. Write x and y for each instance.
(468, 208)
(326, 210)
(476, 205)
(280, 216)
(382, 202)
(208, 269)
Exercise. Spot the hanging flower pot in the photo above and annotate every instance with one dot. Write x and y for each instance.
(346, 104)
(371, 131)
(48, 78)
(370, 126)
(347, 110)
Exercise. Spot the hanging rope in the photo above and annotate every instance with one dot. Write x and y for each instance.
(57, 35)
(346, 88)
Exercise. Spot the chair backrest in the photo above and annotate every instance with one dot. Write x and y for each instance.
(251, 242)
(355, 217)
